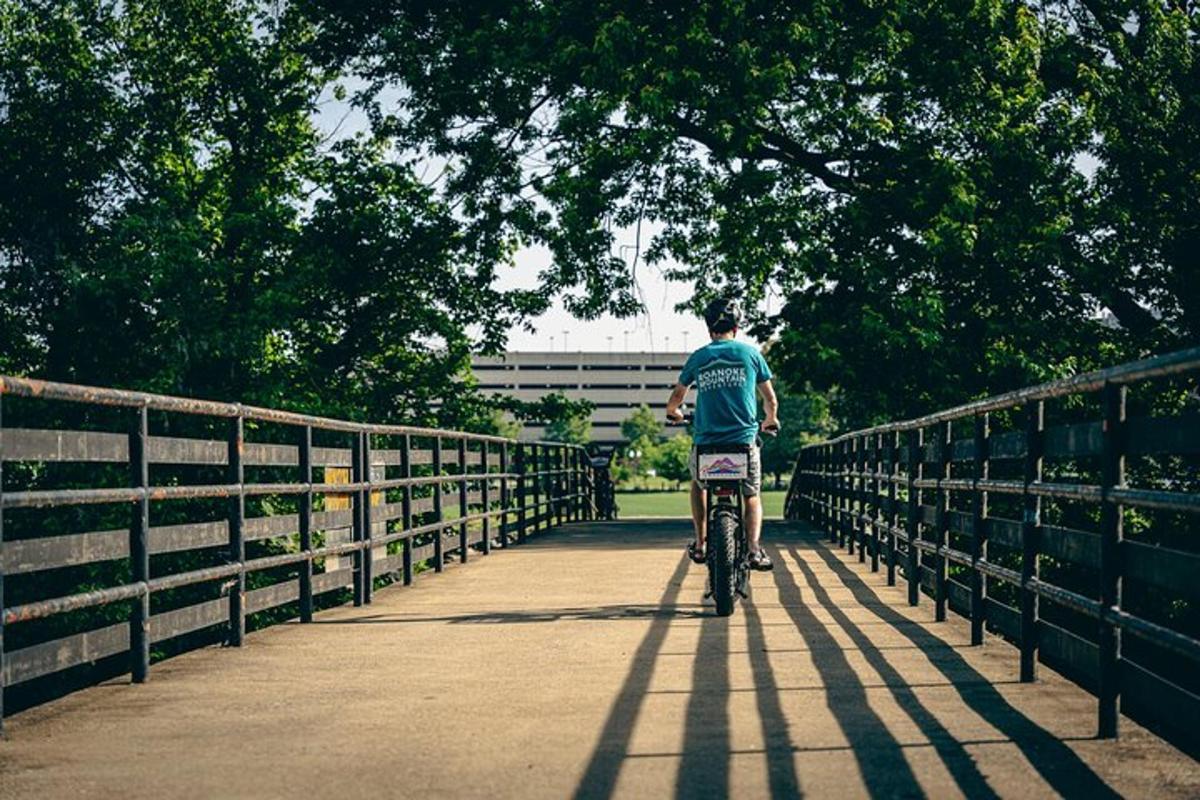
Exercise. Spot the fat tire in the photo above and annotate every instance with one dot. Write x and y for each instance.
(722, 552)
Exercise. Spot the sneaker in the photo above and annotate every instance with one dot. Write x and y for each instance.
(760, 561)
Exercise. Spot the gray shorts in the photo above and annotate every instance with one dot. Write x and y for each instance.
(751, 486)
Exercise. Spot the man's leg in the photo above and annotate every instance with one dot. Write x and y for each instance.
(754, 521)
(699, 515)
(752, 494)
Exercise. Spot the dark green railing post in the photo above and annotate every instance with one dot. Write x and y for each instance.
(485, 494)
(1031, 528)
(831, 496)
(537, 485)
(368, 533)
(521, 492)
(237, 540)
(305, 510)
(505, 499)
(911, 528)
(359, 558)
(576, 506)
(406, 512)
(1112, 518)
(893, 512)
(941, 564)
(873, 495)
(464, 533)
(831, 492)
(851, 489)
(139, 546)
(858, 526)
(439, 556)
(843, 495)
(549, 486)
(2, 680)
(556, 485)
(979, 530)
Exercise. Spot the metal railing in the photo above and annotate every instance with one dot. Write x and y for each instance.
(162, 519)
(1019, 512)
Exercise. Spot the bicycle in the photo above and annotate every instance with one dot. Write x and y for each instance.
(720, 471)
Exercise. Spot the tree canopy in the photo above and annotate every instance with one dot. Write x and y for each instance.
(172, 218)
(951, 198)
(946, 199)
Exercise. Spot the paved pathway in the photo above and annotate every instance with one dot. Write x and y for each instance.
(584, 664)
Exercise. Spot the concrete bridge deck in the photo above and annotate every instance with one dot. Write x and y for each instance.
(584, 664)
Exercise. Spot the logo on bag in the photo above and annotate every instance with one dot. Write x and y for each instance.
(724, 466)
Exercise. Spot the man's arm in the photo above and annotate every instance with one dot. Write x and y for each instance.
(678, 394)
(770, 404)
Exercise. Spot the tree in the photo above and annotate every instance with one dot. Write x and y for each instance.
(642, 424)
(804, 419)
(671, 458)
(906, 176)
(573, 429)
(165, 192)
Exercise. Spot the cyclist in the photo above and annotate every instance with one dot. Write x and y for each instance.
(726, 373)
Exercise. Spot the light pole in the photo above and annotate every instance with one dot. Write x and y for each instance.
(685, 335)
(610, 345)
(667, 343)
(551, 344)
(626, 341)
(565, 341)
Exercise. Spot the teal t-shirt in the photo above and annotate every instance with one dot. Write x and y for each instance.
(725, 374)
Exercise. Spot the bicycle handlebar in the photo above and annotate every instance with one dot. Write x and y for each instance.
(689, 418)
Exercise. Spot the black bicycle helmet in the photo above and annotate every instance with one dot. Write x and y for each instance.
(722, 315)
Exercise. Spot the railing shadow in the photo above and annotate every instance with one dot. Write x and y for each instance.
(880, 758)
(704, 768)
(600, 776)
(599, 613)
(777, 740)
(1058, 765)
(957, 760)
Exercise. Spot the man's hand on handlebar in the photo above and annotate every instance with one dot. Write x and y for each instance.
(675, 416)
(770, 426)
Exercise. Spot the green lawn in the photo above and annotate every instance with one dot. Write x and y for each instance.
(675, 504)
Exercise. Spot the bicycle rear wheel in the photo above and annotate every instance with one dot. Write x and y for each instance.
(722, 555)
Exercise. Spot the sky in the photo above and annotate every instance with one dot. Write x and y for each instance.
(659, 329)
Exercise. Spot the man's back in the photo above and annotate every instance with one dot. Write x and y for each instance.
(725, 373)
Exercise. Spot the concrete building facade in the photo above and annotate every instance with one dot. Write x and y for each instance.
(615, 383)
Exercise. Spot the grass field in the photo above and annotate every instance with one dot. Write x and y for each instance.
(675, 504)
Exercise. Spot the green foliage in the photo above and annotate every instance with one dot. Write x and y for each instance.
(804, 418)
(566, 420)
(570, 429)
(670, 459)
(642, 425)
(164, 193)
(906, 175)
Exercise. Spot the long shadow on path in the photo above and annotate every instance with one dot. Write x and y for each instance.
(1058, 765)
(704, 768)
(781, 764)
(881, 761)
(958, 762)
(600, 777)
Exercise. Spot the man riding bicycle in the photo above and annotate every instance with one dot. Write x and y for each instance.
(726, 373)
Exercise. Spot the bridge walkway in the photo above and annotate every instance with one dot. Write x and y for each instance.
(585, 664)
